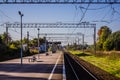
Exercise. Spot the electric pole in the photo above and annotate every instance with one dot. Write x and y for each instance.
(27, 39)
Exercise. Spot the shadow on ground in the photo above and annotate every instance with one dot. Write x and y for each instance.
(26, 68)
(82, 54)
(20, 78)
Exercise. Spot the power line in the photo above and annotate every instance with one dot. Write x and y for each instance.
(95, 8)
(75, 13)
(102, 19)
(113, 14)
(114, 10)
(82, 17)
(19, 33)
(5, 14)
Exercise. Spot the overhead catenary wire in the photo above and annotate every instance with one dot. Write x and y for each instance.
(75, 12)
(9, 18)
(109, 11)
(112, 15)
(81, 17)
(95, 8)
(19, 33)
(5, 14)
(92, 9)
(81, 10)
(102, 19)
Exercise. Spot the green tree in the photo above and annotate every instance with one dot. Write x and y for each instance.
(34, 42)
(6, 38)
(108, 45)
(103, 34)
(99, 45)
(16, 43)
(113, 41)
(115, 37)
(25, 40)
(12, 46)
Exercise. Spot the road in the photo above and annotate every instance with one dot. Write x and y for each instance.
(45, 68)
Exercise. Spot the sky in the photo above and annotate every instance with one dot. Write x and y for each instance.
(99, 14)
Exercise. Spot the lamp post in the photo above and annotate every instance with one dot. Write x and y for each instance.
(21, 15)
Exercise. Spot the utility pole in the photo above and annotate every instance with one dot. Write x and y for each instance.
(7, 33)
(94, 39)
(75, 43)
(27, 39)
(45, 43)
(78, 44)
(83, 42)
(38, 44)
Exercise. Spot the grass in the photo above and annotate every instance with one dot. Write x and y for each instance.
(109, 63)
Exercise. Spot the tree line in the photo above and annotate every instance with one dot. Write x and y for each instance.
(108, 40)
(10, 49)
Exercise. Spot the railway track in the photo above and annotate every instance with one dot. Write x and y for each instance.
(75, 71)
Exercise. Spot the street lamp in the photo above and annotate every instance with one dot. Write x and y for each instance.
(21, 15)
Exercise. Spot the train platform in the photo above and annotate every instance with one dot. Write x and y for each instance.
(48, 67)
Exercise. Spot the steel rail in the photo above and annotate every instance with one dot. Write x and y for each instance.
(72, 67)
(68, 56)
(86, 70)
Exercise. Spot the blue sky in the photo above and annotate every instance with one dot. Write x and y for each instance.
(42, 13)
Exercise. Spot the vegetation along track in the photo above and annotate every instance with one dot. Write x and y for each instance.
(78, 69)
(75, 71)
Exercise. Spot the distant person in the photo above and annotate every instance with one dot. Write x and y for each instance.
(34, 59)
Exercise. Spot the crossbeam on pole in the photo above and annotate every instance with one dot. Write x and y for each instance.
(51, 25)
(56, 25)
(59, 1)
(61, 33)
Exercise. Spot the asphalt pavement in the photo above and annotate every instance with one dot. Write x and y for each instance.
(44, 68)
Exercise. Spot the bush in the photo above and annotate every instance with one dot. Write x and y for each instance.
(100, 54)
(12, 46)
(114, 56)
